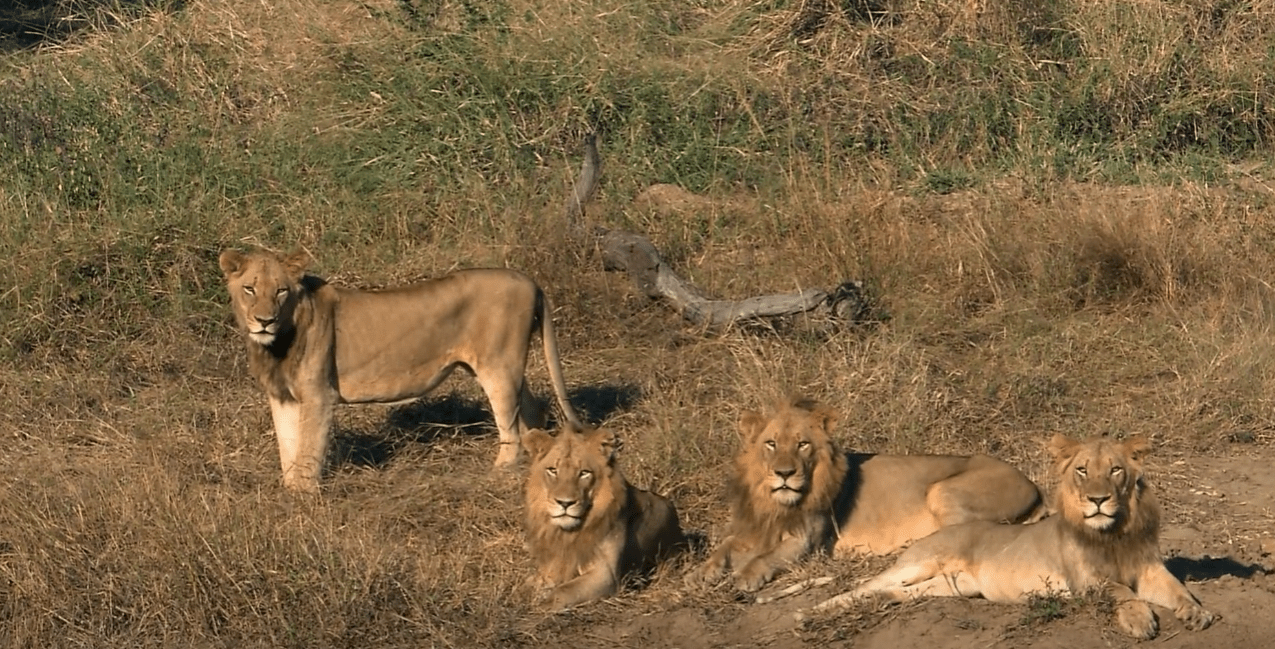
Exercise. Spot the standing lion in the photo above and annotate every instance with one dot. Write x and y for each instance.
(313, 345)
(1106, 533)
(793, 492)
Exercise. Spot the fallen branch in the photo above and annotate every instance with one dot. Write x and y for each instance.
(637, 256)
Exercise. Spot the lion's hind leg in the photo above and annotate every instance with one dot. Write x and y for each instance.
(504, 392)
(925, 577)
(988, 490)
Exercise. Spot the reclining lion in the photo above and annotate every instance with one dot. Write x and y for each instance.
(1105, 534)
(587, 527)
(313, 345)
(794, 492)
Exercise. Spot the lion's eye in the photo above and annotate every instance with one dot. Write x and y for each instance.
(1082, 471)
(551, 471)
(770, 444)
(585, 474)
(803, 445)
(281, 292)
(1117, 470)
(249, 290)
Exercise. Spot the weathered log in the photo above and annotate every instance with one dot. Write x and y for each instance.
(637, 256)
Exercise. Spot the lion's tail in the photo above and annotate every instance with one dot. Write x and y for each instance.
(590, 170)
(554, 361)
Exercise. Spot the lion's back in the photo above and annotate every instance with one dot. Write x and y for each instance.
(654, 530)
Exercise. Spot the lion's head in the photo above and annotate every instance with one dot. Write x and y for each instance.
(1101, 492)
(573, 484)
(788, 464)
(263, 290)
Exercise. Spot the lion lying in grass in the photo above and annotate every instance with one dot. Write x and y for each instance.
(1105, 533)
(587, 527)
(793, 492)
(312, 345)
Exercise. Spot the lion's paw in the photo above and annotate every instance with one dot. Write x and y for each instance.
(706, 575)
(753, 577)
(1194, 616)
(1137, 619)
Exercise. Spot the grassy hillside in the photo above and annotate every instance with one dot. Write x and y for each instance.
(1064, 205)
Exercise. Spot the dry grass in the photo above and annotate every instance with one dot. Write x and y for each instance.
(139, 500)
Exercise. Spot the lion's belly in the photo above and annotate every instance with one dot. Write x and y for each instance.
(401, 343)
(865, 534)
(1016, 561)
(391, 385)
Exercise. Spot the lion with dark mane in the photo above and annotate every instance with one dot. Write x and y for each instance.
(1105, 534)
(793, 492)
(312, 345)
(587, 527)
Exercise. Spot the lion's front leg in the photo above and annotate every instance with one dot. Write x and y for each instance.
(1158, 586)
(762, 568)
(712, 569)
(600, 579)
(1133, 615)
(301, 429)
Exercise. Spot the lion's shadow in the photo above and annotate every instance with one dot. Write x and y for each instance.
(1207, 568)
(428, 420)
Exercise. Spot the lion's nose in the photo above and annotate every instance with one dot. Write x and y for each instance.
(1099, 500)
(785, 473)
(265, 322)
(564, 503)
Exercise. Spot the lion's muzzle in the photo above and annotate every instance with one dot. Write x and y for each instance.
(1100, 510)
(567, 514)
(787, 487)
(265, 330)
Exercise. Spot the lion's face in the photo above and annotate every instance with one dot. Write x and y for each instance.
(571, 475)
(1099, 480)
(788, 456)
(263, 290)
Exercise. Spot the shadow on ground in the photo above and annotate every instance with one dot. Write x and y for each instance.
(598, 403)
(427, 420)
(1206, 568)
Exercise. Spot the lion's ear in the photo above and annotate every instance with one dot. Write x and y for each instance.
(609, 442)
(296, 263)
(827, 418)
(751, 424)
(231, 261)
(537, 442)
(1137, 447)
(1062, 447)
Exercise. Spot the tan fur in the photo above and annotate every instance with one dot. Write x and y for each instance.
(1105, 533)
(587, 527)
(863, 504)
(312, 345)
